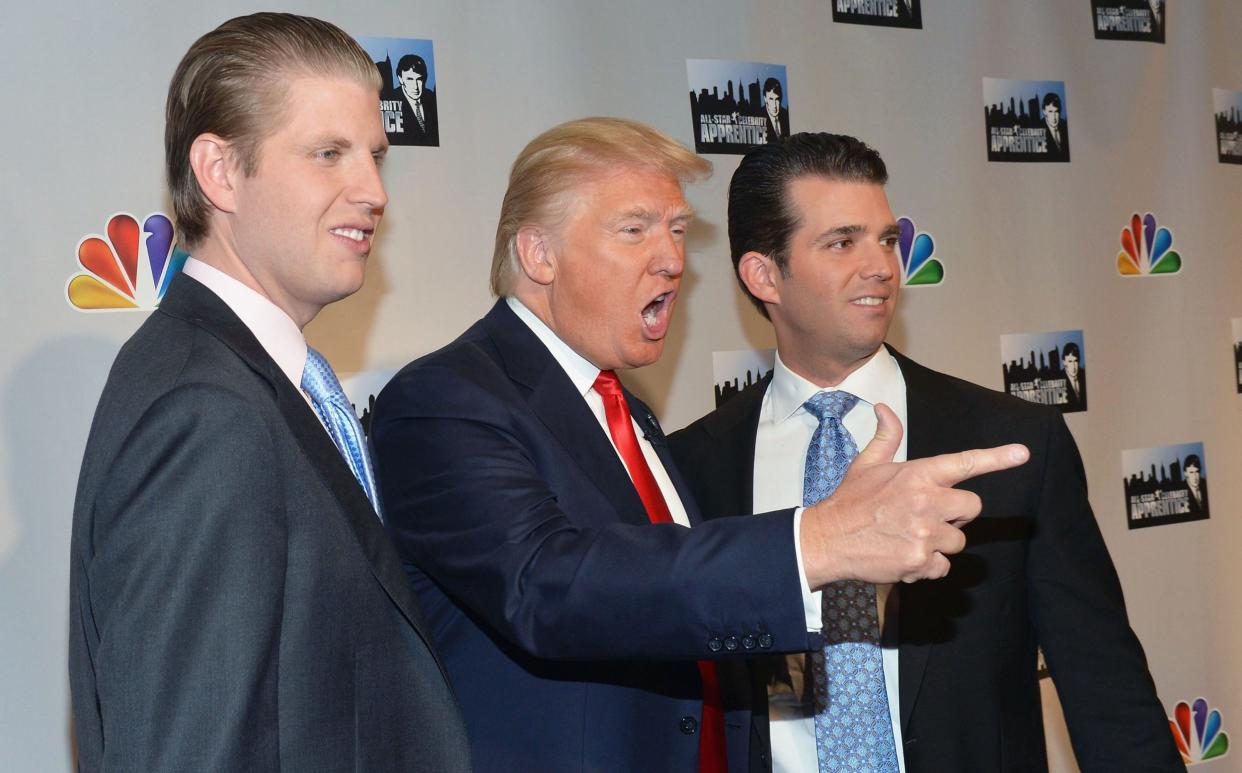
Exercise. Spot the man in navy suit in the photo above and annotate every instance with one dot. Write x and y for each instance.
(544, 525)
(813, 242)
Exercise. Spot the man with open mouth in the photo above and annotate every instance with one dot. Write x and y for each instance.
(584, 624)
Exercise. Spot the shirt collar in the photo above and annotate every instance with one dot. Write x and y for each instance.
(276, 331)
(878, 380)
(579, 369)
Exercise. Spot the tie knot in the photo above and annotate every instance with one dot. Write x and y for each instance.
(318, 378)
(823, 405)
(607, 384)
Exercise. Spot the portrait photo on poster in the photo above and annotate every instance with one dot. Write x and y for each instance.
(407, 71)
(1165, 484)
(1046, 368)
(735, 106)
(1026, 120)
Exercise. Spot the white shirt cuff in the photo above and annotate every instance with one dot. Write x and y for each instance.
(811, 605)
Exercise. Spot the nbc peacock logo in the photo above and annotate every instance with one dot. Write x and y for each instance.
(918, 267)
(1197, 732)
(1145, 249)
(127, 270)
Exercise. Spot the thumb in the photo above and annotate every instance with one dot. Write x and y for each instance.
(887, 438)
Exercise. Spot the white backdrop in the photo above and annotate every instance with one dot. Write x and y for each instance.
(1026, 247)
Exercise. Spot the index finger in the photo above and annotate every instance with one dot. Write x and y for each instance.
(951, 469)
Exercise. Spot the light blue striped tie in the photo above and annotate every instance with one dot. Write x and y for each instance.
(853, 729)
(337, 414)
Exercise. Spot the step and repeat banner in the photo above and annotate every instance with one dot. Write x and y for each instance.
(1028, 261)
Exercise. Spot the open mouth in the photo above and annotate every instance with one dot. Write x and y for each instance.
(656, 315)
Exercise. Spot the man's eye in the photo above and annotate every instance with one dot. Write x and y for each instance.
(328, 154)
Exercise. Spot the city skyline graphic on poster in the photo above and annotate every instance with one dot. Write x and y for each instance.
(1147, 249)
(1237, 351)
(1227, 112)
(1198, 731)
(1026, 121)
(1142, 20)
(879, 13)
(734, 371)
(1047, 368)
(735, 106)
(128, 267)
(408, 104)
(1165, 484)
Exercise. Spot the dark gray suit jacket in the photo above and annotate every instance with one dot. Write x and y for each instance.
(234, 602)
(1035, 571)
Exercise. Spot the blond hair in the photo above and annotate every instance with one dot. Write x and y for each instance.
(554, 163)
(229, 84)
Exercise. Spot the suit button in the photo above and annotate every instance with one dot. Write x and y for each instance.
(714, 644)
(689, 725)
(730, 643)
(748, 641)
(765, 641)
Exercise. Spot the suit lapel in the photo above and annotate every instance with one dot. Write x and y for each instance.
(562, 410)
(932, 419)
(655, 435)
(188, 300)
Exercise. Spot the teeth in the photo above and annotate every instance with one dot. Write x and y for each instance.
(869, 301)
(349, 233)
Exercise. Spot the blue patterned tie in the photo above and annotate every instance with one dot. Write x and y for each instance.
(337, 414)
(853, 730)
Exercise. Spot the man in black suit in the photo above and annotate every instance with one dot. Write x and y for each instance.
(776, 121)
(543, 523)
(235, 602)
(1196, 485)
(1075, 378)
(1056, 128)
(420, 121)
(813, 241)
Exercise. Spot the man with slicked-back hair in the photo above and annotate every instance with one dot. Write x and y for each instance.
(236, 604)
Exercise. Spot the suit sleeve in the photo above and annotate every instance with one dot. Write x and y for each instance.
(186, 587)
(467, 501)
(1115, 720)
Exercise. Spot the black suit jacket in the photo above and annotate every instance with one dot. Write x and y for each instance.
(1035, 572)
(235, 603)
(430, 135)
(1077, 401)
(569, 623)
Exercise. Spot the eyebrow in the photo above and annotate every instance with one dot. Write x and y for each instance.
(826, 237)
(650, 216)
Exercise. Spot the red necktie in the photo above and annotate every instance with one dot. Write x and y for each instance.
(712, 756)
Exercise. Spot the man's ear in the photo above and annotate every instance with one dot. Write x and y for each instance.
(536, 255)
(215, 170)
(760, 273)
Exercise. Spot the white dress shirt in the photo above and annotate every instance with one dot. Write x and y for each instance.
(781, 442)
(276, 331)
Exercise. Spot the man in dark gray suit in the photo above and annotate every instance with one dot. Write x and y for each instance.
(235, 601)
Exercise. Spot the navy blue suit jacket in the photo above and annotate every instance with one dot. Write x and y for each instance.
(569, 624)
